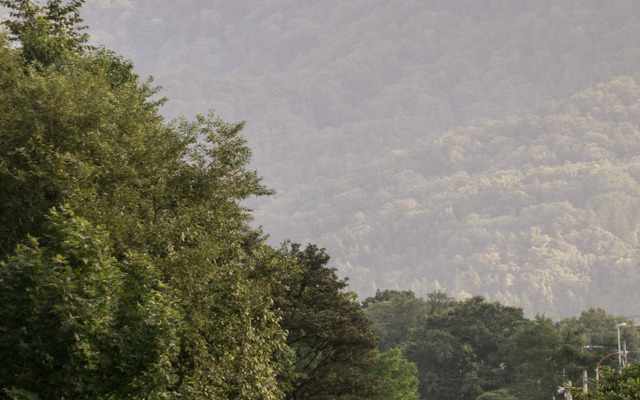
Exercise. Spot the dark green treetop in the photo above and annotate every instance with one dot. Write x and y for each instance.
(327, 331)
(461, 351)
(393, 315)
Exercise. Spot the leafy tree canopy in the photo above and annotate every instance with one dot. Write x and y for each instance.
(393, 314)
(154, 227)
(396, 375)
(474, 348)
(77, 321)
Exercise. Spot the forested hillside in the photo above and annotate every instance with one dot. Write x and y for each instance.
(477, 147)
(537, 209)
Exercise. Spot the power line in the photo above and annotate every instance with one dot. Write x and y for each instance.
(471, 378)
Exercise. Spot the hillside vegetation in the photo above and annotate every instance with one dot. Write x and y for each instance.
(536, 209)
(478, 147)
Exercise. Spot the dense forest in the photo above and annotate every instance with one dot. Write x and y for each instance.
(480, 148)
(130, 268)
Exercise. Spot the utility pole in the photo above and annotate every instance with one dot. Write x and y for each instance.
(618, 326)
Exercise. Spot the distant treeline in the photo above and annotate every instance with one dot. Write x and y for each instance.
(474, 349)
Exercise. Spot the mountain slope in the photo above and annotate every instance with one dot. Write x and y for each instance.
(394, 132)
(540, 210)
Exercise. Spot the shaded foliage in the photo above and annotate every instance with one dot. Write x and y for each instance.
(461, 351)
(327, 331)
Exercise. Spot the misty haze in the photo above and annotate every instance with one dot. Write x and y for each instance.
(471, 169)
(480, 148)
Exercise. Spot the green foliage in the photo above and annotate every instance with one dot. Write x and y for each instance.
(393, 314)
(328, 333)
(472, 348)
(71, 135)
(46, 33)
(82, 131)
(76, 321)
(232, 343)
(595, 329)
(154, 286)
(396, 375)
(613, 385)
(537, 357)
(462, 350)
(387, 295)
(500, 394)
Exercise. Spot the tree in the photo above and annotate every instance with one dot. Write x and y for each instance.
(396, 376)
(462, 350)
(595, 329)
(500, 394)
(80, 131)
(386, 295)
(327, 331)
(393, 314)
(536, 359)
(46, 33)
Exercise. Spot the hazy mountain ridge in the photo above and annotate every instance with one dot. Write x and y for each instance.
(530, 210)
(365, 117)
(537, 210)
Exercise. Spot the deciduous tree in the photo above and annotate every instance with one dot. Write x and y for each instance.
(80, 130)
(462, 350)
(327, 331)
(396, 376)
